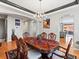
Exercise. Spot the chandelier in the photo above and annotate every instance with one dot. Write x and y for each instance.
(39, 15)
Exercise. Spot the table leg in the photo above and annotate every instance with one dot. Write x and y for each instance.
(44, 56)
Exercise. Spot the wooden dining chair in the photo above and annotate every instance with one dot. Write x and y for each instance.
(15, 53)
(57, 54)
(39, 36)
(14, 37)
(17, 45)
(25, 35)
(20, 52)
(26, 53)
(12, 54)
(44, 35)
(52, 36)
(23, 49)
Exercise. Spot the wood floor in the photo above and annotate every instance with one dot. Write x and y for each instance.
(11, 45)
(6, 47)
(72, 51)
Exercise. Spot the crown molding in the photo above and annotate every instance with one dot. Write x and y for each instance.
(17, 6)
(62, 7)
(27, 10)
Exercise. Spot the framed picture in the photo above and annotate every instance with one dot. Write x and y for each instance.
(46, 23)
(17, 22)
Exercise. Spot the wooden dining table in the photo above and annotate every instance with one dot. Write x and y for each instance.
(45, 46)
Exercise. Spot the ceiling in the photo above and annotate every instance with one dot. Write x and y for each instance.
(46, 5)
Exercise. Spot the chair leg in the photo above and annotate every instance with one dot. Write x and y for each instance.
(0, 44)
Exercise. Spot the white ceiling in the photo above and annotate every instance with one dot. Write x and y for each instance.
(47, 5)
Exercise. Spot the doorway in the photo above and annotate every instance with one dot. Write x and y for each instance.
(3, 28)
(66, 28)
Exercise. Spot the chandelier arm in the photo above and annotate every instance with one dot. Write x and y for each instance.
(40, 15)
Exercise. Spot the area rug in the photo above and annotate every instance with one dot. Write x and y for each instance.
(71, 56)
(12, 55)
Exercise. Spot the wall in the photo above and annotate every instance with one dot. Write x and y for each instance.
(56, 17)
(7, 9)
(19, 30)
(33, 28)
(19, 14)
(54, 26)
(25, 26)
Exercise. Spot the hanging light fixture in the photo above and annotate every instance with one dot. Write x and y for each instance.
(39, 15)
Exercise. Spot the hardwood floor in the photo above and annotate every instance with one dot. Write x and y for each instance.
(6, 47)
(11, 45)
(72, 51)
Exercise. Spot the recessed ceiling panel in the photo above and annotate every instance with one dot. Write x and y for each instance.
(46, 5)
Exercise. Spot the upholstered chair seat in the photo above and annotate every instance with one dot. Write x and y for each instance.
(57, 54)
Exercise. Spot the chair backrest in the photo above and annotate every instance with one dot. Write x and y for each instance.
(12, 54)
(52, 36)
(44, 35)
(25, 35)
(18, 48)
(19, 53)
(14, 37)
(68, 48)
(39, 36)
(23, 49)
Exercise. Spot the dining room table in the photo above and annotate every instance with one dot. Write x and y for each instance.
(44, 46)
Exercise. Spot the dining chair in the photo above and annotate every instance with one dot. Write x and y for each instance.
(20, 52)
(15, 53)
(14, 38)
(23, 49)
(57, 54)
(12, 54)
(52, 36)
(39, 36)
(44, 35)
(25, 35)
(33, 53)
(26, 53)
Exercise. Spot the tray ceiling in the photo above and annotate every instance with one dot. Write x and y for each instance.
(46, 5)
